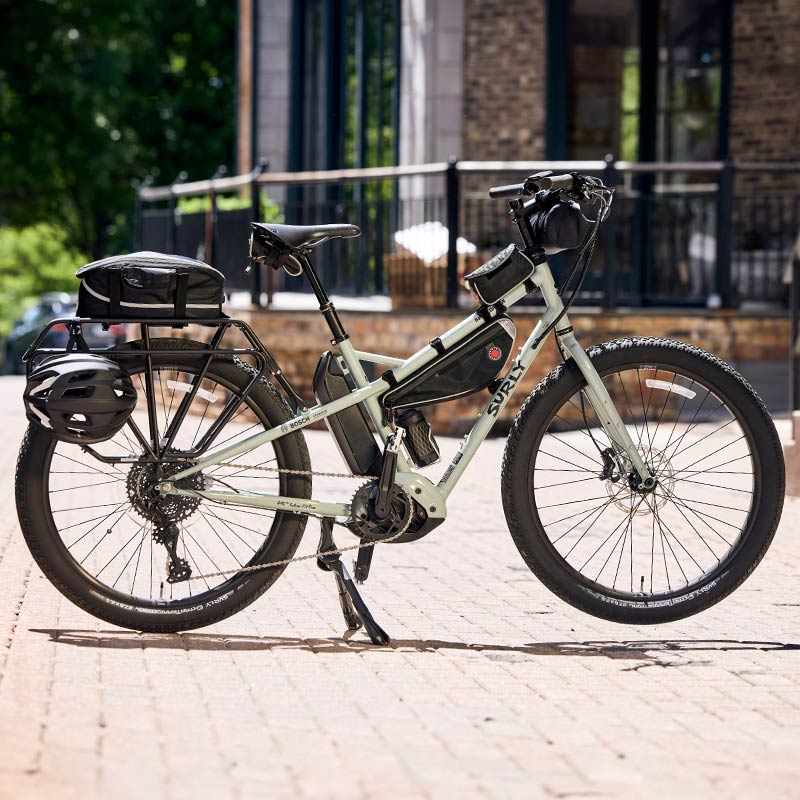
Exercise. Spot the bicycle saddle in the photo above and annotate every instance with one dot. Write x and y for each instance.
(303, 235)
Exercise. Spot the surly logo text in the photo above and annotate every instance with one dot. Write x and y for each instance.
(506, 387)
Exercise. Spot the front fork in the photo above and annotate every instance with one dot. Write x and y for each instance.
(605, 409)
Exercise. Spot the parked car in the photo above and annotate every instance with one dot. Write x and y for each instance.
(49, 306)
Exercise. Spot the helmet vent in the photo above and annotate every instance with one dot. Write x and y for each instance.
(82, 391)
(83, 375)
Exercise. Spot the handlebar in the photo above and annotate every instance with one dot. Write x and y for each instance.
(582, 188)
(533, 183)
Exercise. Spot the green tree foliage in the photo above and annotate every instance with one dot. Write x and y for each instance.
(34, 260)
(97, 94)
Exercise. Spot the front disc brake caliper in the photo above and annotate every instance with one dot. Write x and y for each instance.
(609, 463)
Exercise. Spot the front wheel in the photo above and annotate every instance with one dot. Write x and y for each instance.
(593, 535)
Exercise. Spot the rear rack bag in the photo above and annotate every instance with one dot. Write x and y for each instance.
(150, 285)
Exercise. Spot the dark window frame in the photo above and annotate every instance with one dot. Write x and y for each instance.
(558, 78)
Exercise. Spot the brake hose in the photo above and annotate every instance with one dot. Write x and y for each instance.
(584, 255)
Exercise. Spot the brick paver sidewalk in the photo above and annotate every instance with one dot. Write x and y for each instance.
(493, 687)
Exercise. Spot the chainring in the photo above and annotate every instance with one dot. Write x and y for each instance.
(364, 522)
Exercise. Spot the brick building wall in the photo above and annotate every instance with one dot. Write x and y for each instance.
(504, 95)
(765, 94)
(299, 337)
(504, 80)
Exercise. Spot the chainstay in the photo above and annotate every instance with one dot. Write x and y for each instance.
(310, 472)
(286, 561)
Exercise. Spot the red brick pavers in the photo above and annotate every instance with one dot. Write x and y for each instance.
(493, 687)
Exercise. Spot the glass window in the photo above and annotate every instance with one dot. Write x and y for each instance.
(688, 80)
(603, 105)
(605, 79)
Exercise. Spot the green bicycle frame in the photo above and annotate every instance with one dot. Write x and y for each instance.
(432, 497)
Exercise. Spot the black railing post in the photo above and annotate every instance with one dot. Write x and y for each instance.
(452, 204)
(255, 214)
(609, 242)
(724, 235)
(210, 232)
(794, 329)
(173, 222)
(138, 222)
(138, 225)
(174, 212)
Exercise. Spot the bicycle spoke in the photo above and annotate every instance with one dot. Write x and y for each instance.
(228, 523)
(600, 508)
(102, 569)
(588, 527)
(716, 486)
(568, 483)
(579, 452)
(94, 527)
(137, 553)
(564, 460)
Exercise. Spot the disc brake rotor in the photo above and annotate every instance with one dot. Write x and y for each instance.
(628, 501)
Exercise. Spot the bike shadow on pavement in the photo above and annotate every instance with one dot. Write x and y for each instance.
(662, 652)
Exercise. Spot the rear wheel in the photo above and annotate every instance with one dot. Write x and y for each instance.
(93, 527)
(599, 541)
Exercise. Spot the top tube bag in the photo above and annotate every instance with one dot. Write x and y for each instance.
(150, 285)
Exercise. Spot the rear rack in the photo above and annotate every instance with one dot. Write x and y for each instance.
(263, 358)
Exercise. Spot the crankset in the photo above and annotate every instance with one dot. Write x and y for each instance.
(368, 524)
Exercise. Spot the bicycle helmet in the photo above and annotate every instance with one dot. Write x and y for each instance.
(81, 398)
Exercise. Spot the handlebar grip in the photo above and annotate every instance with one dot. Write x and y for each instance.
(512, 190)
(557, 182)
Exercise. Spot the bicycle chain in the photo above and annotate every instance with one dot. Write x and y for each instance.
(286, 561)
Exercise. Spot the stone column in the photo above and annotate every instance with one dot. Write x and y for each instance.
(272, 82)
(430, 88)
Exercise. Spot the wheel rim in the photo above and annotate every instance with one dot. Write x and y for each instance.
(647, 546)
(95, 516)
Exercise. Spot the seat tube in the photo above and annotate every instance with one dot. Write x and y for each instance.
(360, 379)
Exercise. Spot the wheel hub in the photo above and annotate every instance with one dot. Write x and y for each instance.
(157, 508)
(630, 502)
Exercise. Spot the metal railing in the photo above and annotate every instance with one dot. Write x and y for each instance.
(680, 234)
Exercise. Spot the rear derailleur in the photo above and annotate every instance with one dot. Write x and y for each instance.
(178, 568)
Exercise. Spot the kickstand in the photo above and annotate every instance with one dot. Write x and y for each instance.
(353, 606)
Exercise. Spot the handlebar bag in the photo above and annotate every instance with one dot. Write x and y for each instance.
(500, 274)
(150, 285)
(560, 227)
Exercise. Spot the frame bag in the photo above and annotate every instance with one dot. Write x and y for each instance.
(150, 285)
(467, 367)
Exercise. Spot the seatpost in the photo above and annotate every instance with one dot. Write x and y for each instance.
(325, 305)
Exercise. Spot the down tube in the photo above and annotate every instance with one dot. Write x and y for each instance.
(472, 441)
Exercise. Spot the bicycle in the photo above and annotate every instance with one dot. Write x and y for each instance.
(642, 480)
